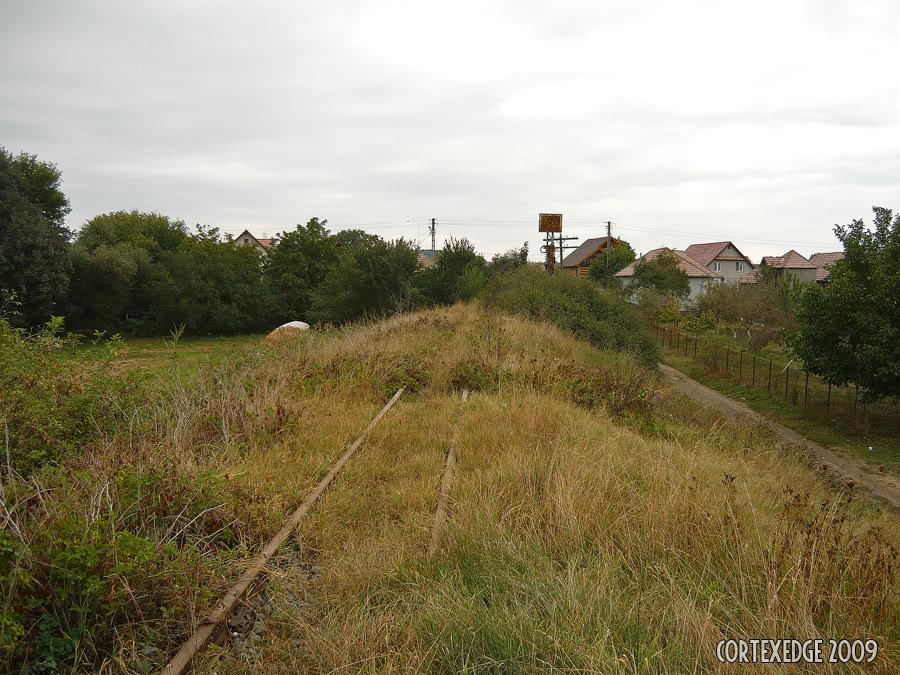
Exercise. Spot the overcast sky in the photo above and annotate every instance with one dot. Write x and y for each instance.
(760, 122)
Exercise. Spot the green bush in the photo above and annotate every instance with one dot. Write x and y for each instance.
(48, 405)
(575, 304)
(472, 376)
(73, 592)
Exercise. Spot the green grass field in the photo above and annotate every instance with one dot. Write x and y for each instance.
(158, 352)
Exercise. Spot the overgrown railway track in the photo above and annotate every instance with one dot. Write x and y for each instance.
(186, 656)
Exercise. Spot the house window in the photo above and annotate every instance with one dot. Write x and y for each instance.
(740, 266)
(717, 266)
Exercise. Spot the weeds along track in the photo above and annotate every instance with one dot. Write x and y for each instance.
(185, 656)
(440, 513)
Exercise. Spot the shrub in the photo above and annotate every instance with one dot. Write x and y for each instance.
(630, 392)
(84, 575)
(473, 376)
(575, 304)
(50, 406)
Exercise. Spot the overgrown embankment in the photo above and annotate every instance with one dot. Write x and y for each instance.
(130, 497)
(598, 523)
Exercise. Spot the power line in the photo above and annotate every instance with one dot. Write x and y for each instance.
(675, 230)
(724, 238)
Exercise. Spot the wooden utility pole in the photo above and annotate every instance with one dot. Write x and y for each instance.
(608, 242)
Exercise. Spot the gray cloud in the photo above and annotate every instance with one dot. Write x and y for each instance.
(767, 121)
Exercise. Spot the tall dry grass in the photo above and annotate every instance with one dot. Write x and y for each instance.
(598, 523)
(580, 539)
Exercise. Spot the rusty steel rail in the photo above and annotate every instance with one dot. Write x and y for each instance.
(222, 611)
(440, 513)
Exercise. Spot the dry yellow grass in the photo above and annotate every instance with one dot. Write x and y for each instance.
(577, 541)
(597, 522)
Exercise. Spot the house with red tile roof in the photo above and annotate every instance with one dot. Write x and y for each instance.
(247, 239)
(791, 263)
(823, 263)
(723, 258)
(699, 276)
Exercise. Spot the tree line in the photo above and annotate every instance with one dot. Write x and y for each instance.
(145, 273)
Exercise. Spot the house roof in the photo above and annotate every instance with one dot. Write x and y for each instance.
(686, 263)
(587, 248)
(790, 260)
(267, 242)
(425, 260)
(823, 261)
(750, 277)
(706, 253)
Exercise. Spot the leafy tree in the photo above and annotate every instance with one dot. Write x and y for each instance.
(512, 259)
(212, 286)
(39, 182)
(849, 330)
(115, 261)
(753, 309)
(662, 274)
(106, 283)
(152, 232)
(604, 266)
(300, 262)
(34, 243)
(351, 238)
(371, 279)
(441, 282)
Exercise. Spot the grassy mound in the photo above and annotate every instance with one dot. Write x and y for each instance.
(597, 521)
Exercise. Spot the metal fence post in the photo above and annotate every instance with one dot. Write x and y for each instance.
(695, 348)
(806, 390)
(678, 341)
(787, 378)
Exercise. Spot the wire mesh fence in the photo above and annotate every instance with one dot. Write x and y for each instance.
(784, 383)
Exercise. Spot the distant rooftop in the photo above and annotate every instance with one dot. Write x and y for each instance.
(706, 253)
(823, 261)
(584, 251)
(686, 263)
(790, 260)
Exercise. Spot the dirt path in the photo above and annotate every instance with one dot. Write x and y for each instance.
(851, 470)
